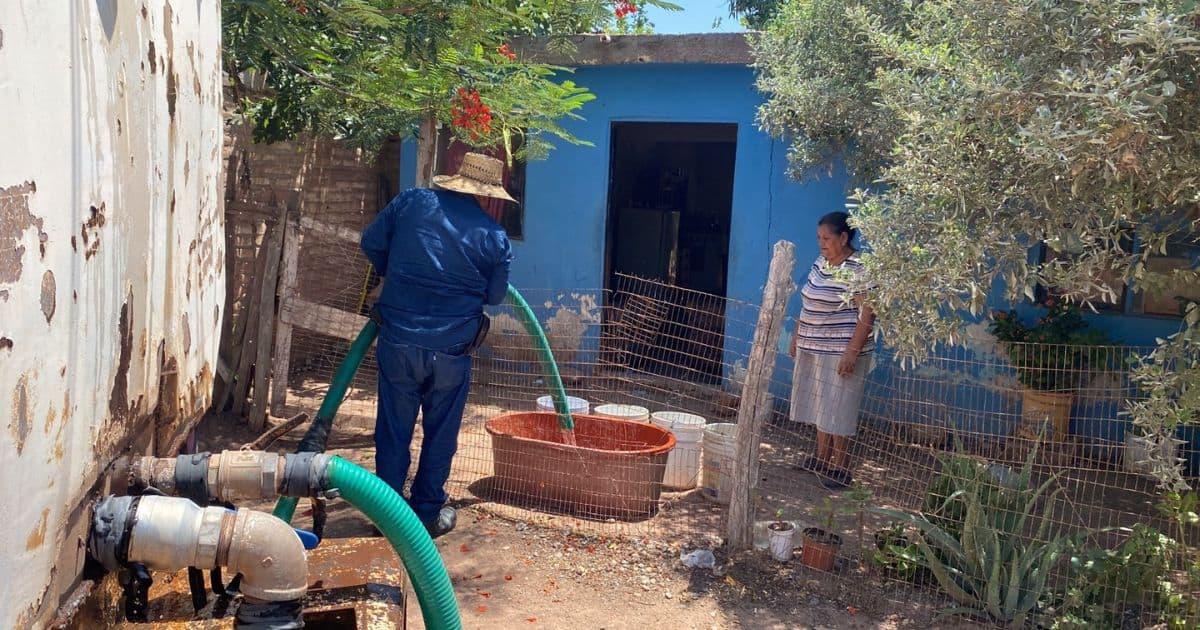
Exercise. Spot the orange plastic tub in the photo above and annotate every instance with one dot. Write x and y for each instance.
(614, 470)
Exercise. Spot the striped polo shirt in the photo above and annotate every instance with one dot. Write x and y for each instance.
(827, 322)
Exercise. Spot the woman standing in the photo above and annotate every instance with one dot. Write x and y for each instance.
(832, 352)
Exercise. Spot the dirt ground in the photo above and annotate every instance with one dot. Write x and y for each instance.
(512, 574)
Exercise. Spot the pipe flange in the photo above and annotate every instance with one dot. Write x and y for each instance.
(208, 536)
(109, 539)
(191, 477)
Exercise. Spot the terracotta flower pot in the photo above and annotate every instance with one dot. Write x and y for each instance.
(820, 549)
(1046, 414)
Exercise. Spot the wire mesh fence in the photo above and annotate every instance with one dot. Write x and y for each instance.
(1003, 478)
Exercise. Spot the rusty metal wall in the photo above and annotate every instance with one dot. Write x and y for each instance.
(111, 261)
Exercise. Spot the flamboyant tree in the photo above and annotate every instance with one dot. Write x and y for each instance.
(364, 70)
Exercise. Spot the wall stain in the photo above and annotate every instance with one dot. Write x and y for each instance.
(38, 536)
(20, 425)
(172, 77)
(90, 230)
(15, 218)
(118, 400)
(187, 335)
(49, 298)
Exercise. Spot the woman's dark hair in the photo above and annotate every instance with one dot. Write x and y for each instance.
(839, 222)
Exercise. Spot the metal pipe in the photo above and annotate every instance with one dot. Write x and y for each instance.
(171, 534)
(228, 476)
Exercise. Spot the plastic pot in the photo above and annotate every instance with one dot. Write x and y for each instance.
(820, 549)
(781, 540)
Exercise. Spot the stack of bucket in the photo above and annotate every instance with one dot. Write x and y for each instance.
(575, 405)
(683, 464)
(720, 442)
(631, 413)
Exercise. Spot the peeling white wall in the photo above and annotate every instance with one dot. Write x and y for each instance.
(111, 261)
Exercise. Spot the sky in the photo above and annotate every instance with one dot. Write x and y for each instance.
(697, 16)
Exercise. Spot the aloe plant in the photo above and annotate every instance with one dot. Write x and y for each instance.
(987, 563)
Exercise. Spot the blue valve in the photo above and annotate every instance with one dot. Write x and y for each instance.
(308, 539)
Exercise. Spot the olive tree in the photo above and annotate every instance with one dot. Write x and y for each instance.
(987, 129)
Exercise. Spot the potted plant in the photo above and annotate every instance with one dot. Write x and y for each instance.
(821, 545)
(1052, 355)
(782, 537)
(1139, 449)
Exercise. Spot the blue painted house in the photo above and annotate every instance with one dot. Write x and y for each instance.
(680, 185)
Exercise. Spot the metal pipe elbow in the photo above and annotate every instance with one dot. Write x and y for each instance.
(269, 555)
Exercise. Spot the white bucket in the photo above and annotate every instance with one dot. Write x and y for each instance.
(683, 464)
(575, 405)
(782, 543)
(632, 413)
(720, 442)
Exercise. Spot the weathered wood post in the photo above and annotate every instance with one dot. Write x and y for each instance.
(426, 151)
(288, 271)
(753, 410)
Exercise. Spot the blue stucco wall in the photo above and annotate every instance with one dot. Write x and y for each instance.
(566, 218)
(567, 194)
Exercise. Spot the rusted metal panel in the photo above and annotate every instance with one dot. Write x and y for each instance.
(111, 261)
(352, 583)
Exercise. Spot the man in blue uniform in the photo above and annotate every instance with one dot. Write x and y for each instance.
(442, 259)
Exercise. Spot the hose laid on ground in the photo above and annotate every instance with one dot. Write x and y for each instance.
(399, 524)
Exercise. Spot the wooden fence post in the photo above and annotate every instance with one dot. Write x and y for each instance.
(753, 411)
(265, 337)
(283, 329)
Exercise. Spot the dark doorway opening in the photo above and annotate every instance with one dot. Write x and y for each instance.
(670, 205)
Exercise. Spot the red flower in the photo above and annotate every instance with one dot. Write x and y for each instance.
(471, 114)
(300, 6)
(507, 52)
(624, 8)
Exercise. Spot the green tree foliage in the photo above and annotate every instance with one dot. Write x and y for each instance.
(755, 14)
(364, 70)
(989, 128)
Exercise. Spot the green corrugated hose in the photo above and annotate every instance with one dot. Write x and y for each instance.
(380, 503)
(317, 436)
(549, 365)
(395, 519)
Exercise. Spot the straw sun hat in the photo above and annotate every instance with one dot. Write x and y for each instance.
(478, 175)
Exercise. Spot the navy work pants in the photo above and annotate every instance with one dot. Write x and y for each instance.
(412, 378)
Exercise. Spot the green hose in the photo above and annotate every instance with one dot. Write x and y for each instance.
(549, 365)
(380, 503)
(317, 436)
(395, 519)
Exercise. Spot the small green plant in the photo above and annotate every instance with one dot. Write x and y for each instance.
(779, 525)
(826, 514)
(898, 556)
(859, 496)
(1112, 588)
(1053, 353)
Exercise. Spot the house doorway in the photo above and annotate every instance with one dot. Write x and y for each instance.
(670, 205)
